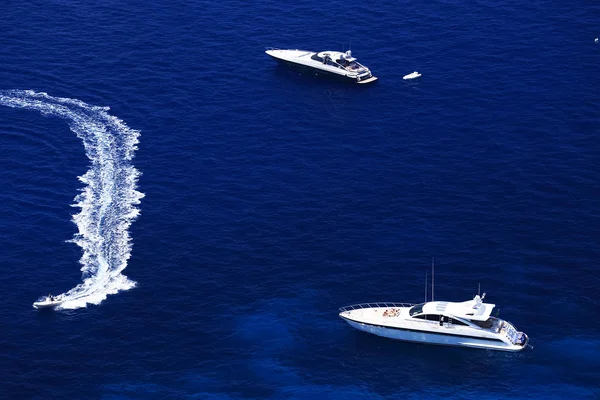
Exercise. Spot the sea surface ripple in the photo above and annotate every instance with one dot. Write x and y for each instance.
(273, 196)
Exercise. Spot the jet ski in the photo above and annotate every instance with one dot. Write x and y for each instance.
(412, 75)
(48, 302)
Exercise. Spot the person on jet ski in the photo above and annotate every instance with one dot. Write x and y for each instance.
(50, 297)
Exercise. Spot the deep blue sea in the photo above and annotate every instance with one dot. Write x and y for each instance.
(205, 211)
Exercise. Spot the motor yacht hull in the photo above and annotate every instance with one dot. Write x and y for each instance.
(313, 61)
(463, 324)
(414, 336)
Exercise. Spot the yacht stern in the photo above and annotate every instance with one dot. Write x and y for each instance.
(368, 80)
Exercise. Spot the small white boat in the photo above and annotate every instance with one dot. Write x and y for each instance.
(48, 302)
(332, 62)
(412, 75)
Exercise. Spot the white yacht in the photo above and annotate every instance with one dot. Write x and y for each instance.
(466, 324)
(334, 62)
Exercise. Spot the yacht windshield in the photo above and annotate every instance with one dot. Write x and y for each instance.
(418, 309)
(484, 324)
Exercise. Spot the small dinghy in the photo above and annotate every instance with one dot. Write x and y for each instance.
(47, 302)
(412, 75)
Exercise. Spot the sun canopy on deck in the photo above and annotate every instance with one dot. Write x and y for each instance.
(475, 309)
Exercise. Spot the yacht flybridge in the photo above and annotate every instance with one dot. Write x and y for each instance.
(334, 62)
(467, 324)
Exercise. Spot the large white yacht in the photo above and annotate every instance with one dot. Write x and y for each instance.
(334, 62)
(466, 324)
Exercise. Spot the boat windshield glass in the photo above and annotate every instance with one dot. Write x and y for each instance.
(484, 324)
(418, 309)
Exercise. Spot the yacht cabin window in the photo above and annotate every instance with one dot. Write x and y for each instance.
(437, 318)
(457, 322)
(418, 309)
(428, 317)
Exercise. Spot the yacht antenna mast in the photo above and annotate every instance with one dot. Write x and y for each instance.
(432, 275)
(426, 286)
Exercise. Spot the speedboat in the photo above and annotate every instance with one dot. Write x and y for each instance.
(412, 75)
(333, 62)
(466, 324)
(48, 302)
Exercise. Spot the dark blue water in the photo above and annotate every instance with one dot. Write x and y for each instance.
(209, 260)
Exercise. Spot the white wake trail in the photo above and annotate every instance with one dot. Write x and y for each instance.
(107, 201)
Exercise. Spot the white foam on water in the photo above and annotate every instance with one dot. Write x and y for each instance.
(108, 199)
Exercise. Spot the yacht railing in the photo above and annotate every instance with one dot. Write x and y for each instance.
(374, 305)
(423, 325)
(277, 48)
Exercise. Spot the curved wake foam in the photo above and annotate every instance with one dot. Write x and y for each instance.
(107, 201)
